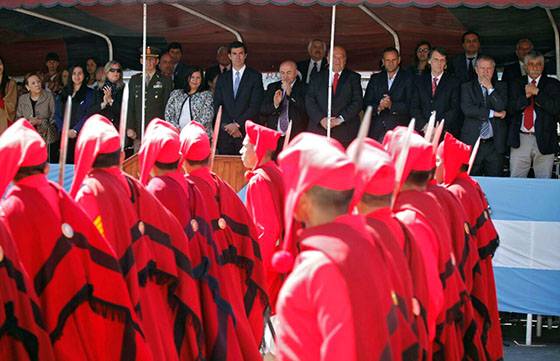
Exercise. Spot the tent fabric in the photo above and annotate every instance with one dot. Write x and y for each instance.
(524, 4)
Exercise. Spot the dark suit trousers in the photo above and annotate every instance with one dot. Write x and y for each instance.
(488, 162)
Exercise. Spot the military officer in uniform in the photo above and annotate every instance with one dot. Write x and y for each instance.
(158, 88)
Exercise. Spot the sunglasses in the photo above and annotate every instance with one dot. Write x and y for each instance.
(113, 70)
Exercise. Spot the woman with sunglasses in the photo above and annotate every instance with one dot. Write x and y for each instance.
(109, 96)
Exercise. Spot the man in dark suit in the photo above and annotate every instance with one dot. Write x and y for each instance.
(463, 65)
(316, 63)
(239, 91)
(346, 101)
(223, 65)
(179, 68)
(517, 69)
(437, 91)
(284, 100)
(483, 104)
(534, 107)
(389, 92)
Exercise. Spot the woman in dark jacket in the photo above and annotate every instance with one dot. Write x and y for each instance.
(83, 100)
(109, 96)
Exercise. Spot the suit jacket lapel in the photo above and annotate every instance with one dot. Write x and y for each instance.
(396, 81)
(341, 82)
(384, 84)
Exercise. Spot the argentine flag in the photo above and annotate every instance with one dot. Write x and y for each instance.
(526, 213)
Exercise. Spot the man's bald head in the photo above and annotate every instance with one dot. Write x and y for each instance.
(288, 71)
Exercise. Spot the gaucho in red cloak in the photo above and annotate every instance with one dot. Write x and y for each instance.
(160, 155)
(23, 336)
(265, 197)
(236, 249)
(454, 157)
(375, 182)
(83, 297)
(150, 244)
(335, 303)
(416, 207)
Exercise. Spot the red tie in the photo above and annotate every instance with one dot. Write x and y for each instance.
(335, 82)
(528, 120)
(434, 86)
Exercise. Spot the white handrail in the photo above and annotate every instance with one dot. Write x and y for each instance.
(210, 20)
(70, 25)
(385, 26)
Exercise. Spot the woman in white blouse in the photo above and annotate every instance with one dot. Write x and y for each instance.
(185, 105)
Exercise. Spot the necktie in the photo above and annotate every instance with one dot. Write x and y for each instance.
(470, 68)
(284, 117)
(528, 113)
(485, 129)
(236, 83)
(434, 86)
(148, 78)
(335, 82)
(315, 67)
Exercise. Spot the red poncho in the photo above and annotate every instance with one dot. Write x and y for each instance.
(467, 262)
(448, 343)
(239, 256)
(184, 201)
(152, 250)
(406, 251)
(22, 331)
(265, 203)
(76, 277)
(336, 303)
(484, 233)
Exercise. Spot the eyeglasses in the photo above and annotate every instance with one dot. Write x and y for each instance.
(423, 50)
(113, 70)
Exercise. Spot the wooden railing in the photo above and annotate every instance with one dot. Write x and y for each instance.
(228, 167)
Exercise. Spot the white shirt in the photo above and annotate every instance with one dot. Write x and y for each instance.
(473, 61)
(310, 68)
(185, 117)
(437, 78)
(532, 130)
(522, 68)
(391, 80)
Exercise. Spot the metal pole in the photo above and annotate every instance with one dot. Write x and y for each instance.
(529, 329)
(385, 26)
(539, 325)
(329, 96)
(144, 17)
(556, 40)
(200, 15)
(74, 26)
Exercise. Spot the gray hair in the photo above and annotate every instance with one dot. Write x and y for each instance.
(485, 58)
(533, 55)
(319, 40)
(521, 41)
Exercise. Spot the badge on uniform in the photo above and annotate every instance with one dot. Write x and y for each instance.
(158, 85)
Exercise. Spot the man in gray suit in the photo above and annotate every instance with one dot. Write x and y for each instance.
(483, 103)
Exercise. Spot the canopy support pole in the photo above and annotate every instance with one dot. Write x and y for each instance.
(210, 20)
(330, 90)
(385, 26)
(556, 40)
(529, 329)
(143, 113)
(70, 25)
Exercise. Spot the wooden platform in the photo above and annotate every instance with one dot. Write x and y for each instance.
(228, 167)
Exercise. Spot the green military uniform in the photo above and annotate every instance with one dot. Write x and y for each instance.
(157, 94)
